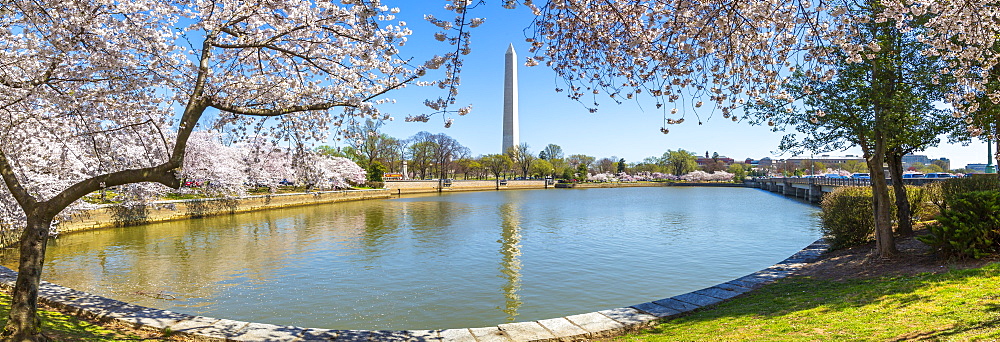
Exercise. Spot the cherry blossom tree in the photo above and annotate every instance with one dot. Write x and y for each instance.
(89, 92)
(600, 177)
(698, 58)
(702, 176)
(331, 172)
(218, 167)
(265, 163)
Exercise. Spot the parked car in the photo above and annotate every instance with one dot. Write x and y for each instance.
(861, 176)
(939, 175)
(913, 175)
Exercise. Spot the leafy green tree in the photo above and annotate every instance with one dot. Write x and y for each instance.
(945, 166)
(883, 104)
(331, 151)
(465, 166)
(497, 164)
(649, 164)
(567, 173)
(680, 162)
(581, 171)
(551, 151)
(375, 171)
(560, 166)
(854, 166)
(931, 168)
(621, 165)
(739, 172)
(819, 167)
(542, 168)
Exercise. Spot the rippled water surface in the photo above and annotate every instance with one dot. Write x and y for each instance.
(440, 261)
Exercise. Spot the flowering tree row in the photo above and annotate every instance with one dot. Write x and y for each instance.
(100, 94)
(222, 169)
(694, 176)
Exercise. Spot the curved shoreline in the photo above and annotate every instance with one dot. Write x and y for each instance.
(569, 328)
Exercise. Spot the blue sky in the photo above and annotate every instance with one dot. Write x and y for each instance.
(629, 130)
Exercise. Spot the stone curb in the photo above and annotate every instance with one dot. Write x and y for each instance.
(570, 328)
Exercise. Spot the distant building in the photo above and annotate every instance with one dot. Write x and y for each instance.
(702, 161)
(825, 159)
(977, 167)
(765, 162)
(911, 158)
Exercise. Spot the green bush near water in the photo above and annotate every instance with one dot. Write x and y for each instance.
(969, 227)
(848, 218)
(948, 190)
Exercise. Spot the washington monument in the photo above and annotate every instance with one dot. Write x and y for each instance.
(510, 128)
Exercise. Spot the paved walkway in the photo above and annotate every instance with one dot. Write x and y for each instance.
(570, 328)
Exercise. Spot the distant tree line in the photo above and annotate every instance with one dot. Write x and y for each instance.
(431, 156)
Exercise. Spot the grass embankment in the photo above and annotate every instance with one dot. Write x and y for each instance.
(957, 305)
(61, 327)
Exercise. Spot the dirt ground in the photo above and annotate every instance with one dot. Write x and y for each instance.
(860, 262)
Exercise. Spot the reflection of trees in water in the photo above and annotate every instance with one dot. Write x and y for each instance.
(172, 256)
(431, 216)
(379, 229)
(510, 262)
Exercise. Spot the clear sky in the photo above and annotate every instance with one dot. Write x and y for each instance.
(630, 130)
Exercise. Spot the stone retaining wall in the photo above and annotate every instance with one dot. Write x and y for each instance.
(618, 185)
(569, 328)
(707, 184)
(117, 216)
(424, 186)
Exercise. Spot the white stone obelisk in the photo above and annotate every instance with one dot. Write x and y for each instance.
(510, 125)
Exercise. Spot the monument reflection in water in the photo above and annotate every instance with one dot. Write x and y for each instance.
(440, 261)
(510, 249)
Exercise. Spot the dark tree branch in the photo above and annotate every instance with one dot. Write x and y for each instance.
(24, 199)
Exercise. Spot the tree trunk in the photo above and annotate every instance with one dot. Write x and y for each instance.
(884, 240)
(904, 220)
(23, 323)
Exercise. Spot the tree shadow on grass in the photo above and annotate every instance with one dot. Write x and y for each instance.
(949, 305)
(61, 327)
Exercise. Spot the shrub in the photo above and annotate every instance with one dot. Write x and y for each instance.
(847, 216)
(969, 226)
(952, 188)
(921, 198)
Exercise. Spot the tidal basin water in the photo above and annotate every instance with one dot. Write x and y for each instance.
(440, 261)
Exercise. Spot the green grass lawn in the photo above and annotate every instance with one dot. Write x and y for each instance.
(961, 305)
(60, 327)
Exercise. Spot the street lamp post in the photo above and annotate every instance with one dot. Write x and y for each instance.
(990, 168)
